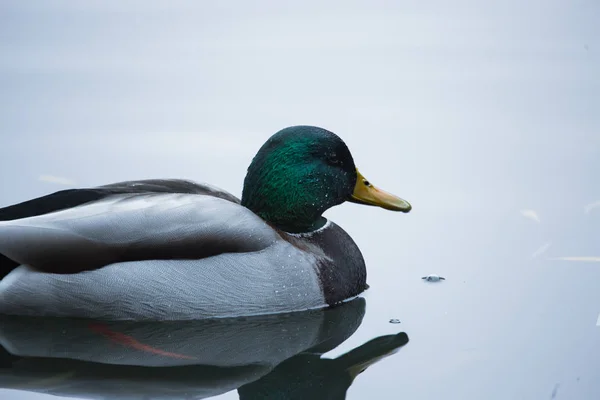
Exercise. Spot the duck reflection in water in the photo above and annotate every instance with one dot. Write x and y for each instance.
(263, 357)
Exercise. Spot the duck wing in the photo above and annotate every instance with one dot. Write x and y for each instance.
(85, 229)
(75, 197)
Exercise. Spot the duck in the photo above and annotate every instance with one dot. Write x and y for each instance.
(174, 249)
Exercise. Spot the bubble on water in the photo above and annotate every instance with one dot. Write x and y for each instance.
(433, 278)
(394, 321)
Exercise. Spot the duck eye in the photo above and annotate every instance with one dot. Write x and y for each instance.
(367, 183)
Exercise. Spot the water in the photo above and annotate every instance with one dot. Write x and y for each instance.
(265, 357)
(484, 117)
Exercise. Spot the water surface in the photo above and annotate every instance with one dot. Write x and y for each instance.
(485, 117)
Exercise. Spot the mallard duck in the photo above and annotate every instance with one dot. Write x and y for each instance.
(176, 249)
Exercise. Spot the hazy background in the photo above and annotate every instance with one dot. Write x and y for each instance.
(484, 115)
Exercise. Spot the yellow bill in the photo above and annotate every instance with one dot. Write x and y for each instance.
(366, 193)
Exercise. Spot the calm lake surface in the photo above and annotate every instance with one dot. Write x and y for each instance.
(485, 117)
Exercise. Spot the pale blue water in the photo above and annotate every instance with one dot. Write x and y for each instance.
(484, 117)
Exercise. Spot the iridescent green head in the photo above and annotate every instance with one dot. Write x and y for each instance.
(300, 172)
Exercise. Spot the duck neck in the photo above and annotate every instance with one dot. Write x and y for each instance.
(284, 211)
(281, 194)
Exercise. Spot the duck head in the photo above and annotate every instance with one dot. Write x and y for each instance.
(300, 172)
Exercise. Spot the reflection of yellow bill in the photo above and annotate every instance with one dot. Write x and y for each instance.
(357, 369)
(581, 259)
